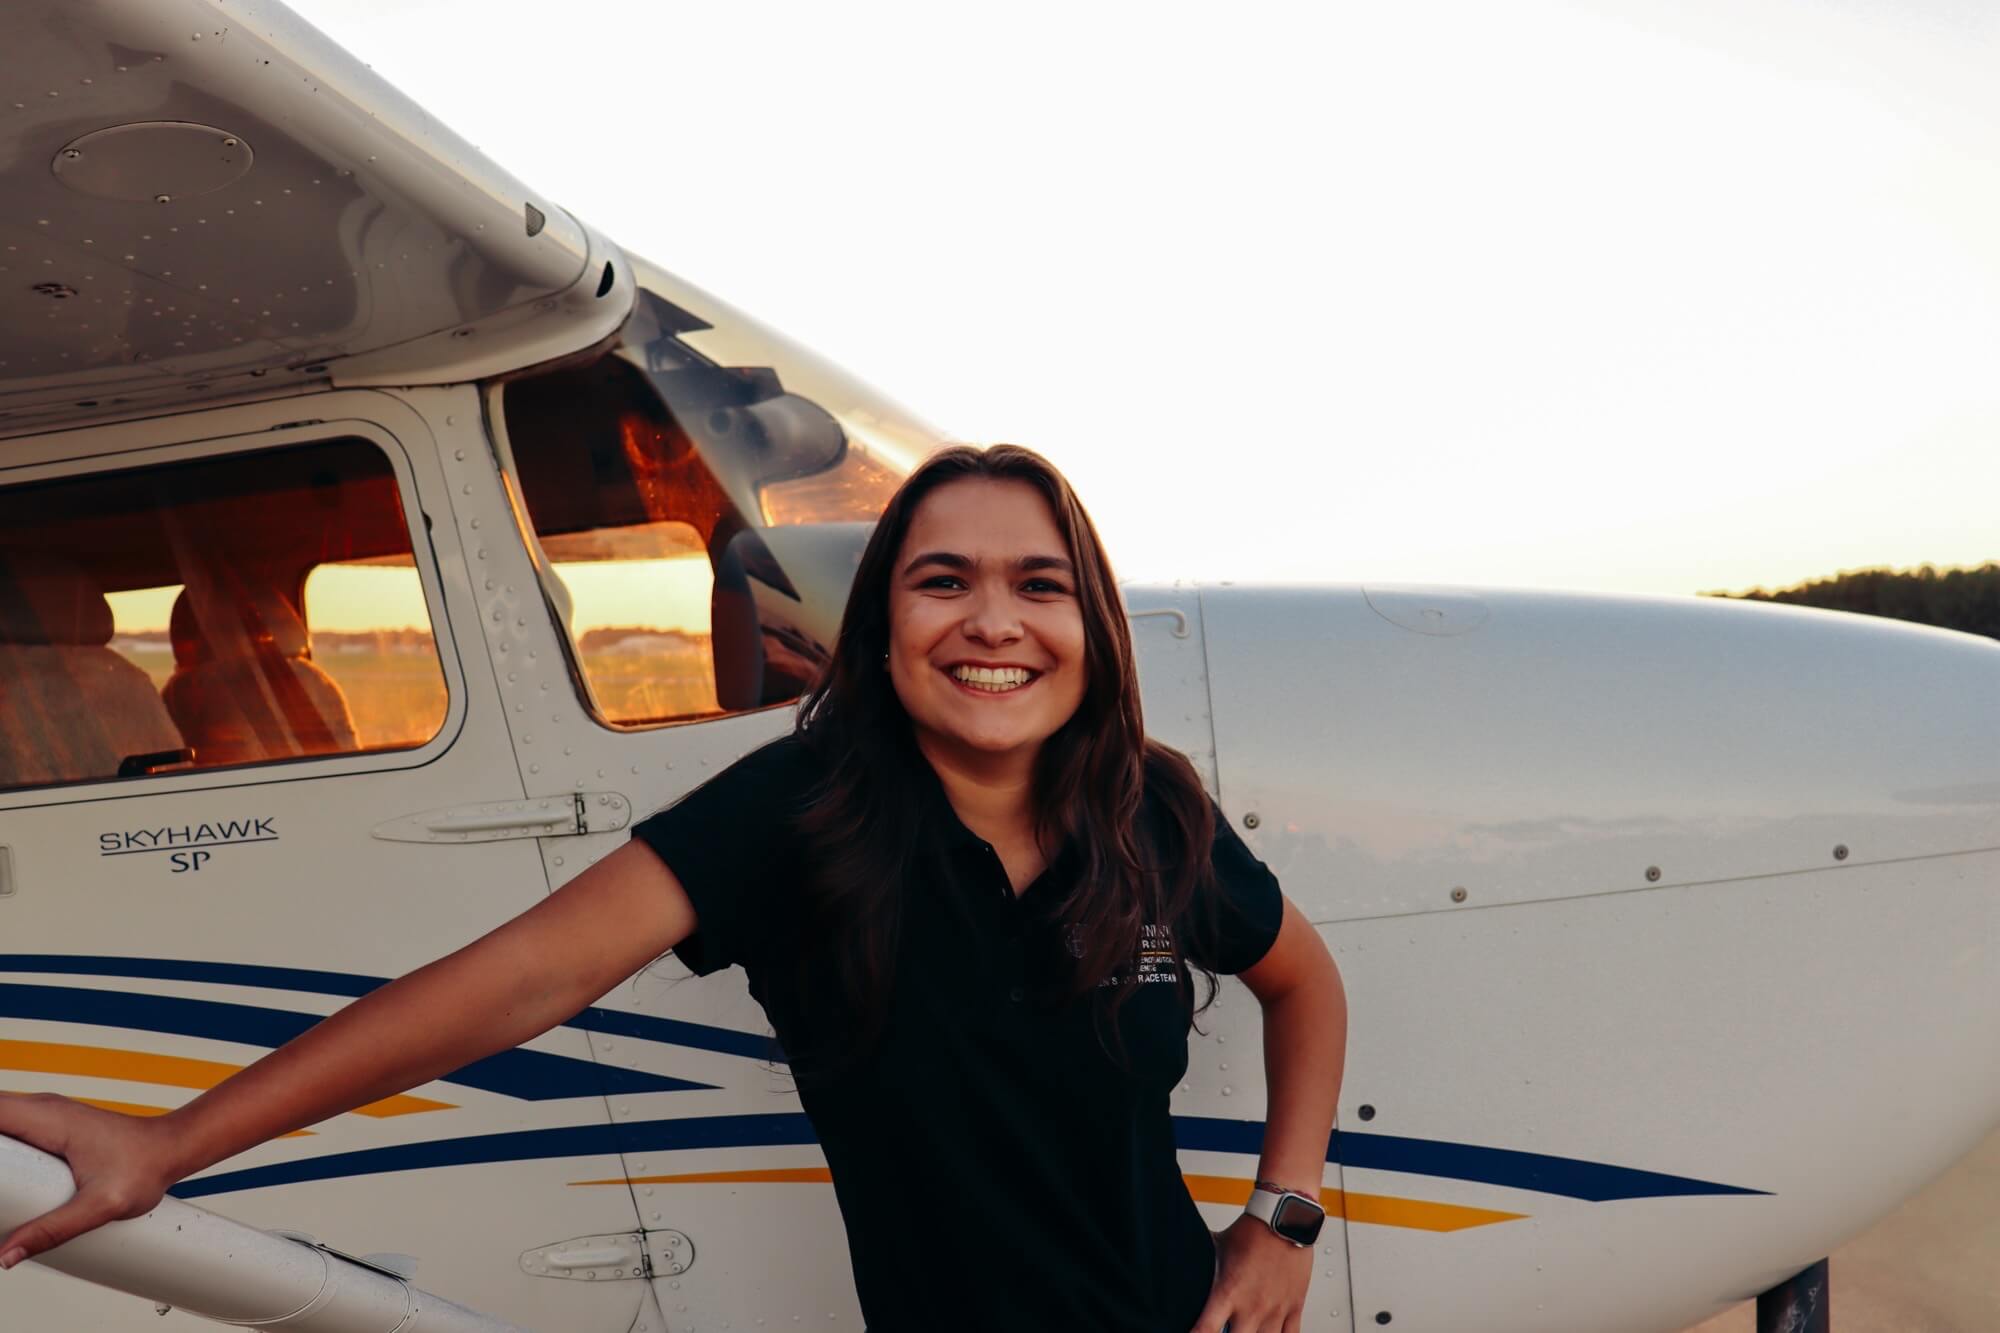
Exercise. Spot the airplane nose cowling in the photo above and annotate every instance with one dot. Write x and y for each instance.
(1668, 927)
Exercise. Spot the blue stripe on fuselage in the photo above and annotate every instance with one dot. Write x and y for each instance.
(530, 1075)
(667, 1031)
(1506, 1167)
(1592, 1181)
(537, 1076)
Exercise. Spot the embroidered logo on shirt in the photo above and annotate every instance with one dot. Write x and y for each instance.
(1156, 960)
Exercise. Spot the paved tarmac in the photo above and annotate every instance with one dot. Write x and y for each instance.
(1932, 1266)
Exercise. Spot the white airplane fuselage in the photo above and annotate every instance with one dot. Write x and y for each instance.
(1667, 924)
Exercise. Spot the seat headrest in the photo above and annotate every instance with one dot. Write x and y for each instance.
(259, 616)
(47, 599)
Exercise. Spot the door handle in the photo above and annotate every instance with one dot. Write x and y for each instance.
(540, 817)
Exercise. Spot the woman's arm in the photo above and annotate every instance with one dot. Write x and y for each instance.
(1305, 1052)
(1261, 1286)
(516, 981)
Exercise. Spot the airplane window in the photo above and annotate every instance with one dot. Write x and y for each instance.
(701, 517)
(156, 619)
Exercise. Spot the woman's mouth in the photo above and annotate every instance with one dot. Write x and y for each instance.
(991, 680)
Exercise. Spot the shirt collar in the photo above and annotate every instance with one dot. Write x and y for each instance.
(940, 813)
(956, 839)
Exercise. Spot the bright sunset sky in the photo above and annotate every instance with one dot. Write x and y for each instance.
(1617, 294)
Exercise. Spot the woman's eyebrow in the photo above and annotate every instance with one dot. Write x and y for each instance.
(949, 559)
(954, 560)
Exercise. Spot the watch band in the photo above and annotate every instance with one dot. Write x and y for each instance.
(1264, 1201)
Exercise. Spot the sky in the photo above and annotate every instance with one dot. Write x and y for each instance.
(1614, 294)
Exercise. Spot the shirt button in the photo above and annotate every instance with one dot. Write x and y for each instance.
(1015, 995)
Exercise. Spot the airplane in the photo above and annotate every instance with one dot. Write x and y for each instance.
(378, 541)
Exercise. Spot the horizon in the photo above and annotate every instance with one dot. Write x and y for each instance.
(351, 615)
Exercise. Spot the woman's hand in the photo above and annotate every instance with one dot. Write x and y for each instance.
(1260, 1282)
(122, 1165)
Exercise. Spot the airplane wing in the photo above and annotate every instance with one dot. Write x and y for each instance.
(208, 200)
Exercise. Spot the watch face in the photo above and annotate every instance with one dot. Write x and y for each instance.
(1298, 1220)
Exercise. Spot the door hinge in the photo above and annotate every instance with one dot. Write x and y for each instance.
(609, 1258)
(540, 817)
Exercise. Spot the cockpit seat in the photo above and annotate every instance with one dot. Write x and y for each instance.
(245, 688)
(71, 708)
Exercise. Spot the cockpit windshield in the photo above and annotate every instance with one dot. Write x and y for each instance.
(701, 492)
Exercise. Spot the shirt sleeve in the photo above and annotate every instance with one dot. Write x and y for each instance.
(1238, 928)
(732, 843)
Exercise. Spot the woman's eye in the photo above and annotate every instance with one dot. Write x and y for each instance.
(942, 581)
(1043, 586)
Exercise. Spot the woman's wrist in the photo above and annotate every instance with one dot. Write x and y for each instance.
(1288, 1179)
(182, 1151)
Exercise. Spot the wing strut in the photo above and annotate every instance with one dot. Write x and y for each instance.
(190, 1259)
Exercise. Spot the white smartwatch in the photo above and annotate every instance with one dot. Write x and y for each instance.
(1292, 1215)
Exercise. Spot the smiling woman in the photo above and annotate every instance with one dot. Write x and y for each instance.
(988, 642)
(980, 908)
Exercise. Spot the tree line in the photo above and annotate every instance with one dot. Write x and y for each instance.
(1960, 599)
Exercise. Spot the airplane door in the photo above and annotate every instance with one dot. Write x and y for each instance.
(250, 765)
(738, 1220)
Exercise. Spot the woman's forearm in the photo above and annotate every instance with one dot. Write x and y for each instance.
(393, 1038)
(1305, 1051)
(503, 989)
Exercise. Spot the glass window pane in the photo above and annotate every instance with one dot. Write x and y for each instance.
(152, 619)
(639, 618)
(139, 629)
(371, 634)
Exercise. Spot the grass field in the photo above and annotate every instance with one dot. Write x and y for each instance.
(397, 699)
(636, 687)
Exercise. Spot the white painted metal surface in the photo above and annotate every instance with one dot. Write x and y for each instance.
(1568, 745)
(1804, 1003)
(190, 1259)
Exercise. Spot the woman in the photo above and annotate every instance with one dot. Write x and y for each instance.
(955, 888)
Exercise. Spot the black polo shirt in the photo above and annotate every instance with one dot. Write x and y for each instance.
(996, 1166)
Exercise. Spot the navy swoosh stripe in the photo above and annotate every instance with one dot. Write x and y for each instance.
(667, 1031)
(530, 1075)
(1538, 1172)
(673, 1032)
(176, 969)
(1593, 1181)
(721, 1131)
(1567, 1176)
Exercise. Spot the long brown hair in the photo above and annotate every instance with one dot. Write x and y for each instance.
(862, 827)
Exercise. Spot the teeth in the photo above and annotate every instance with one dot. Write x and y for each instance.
(996, 680)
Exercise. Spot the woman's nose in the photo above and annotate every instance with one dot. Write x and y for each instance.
(990, 619)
